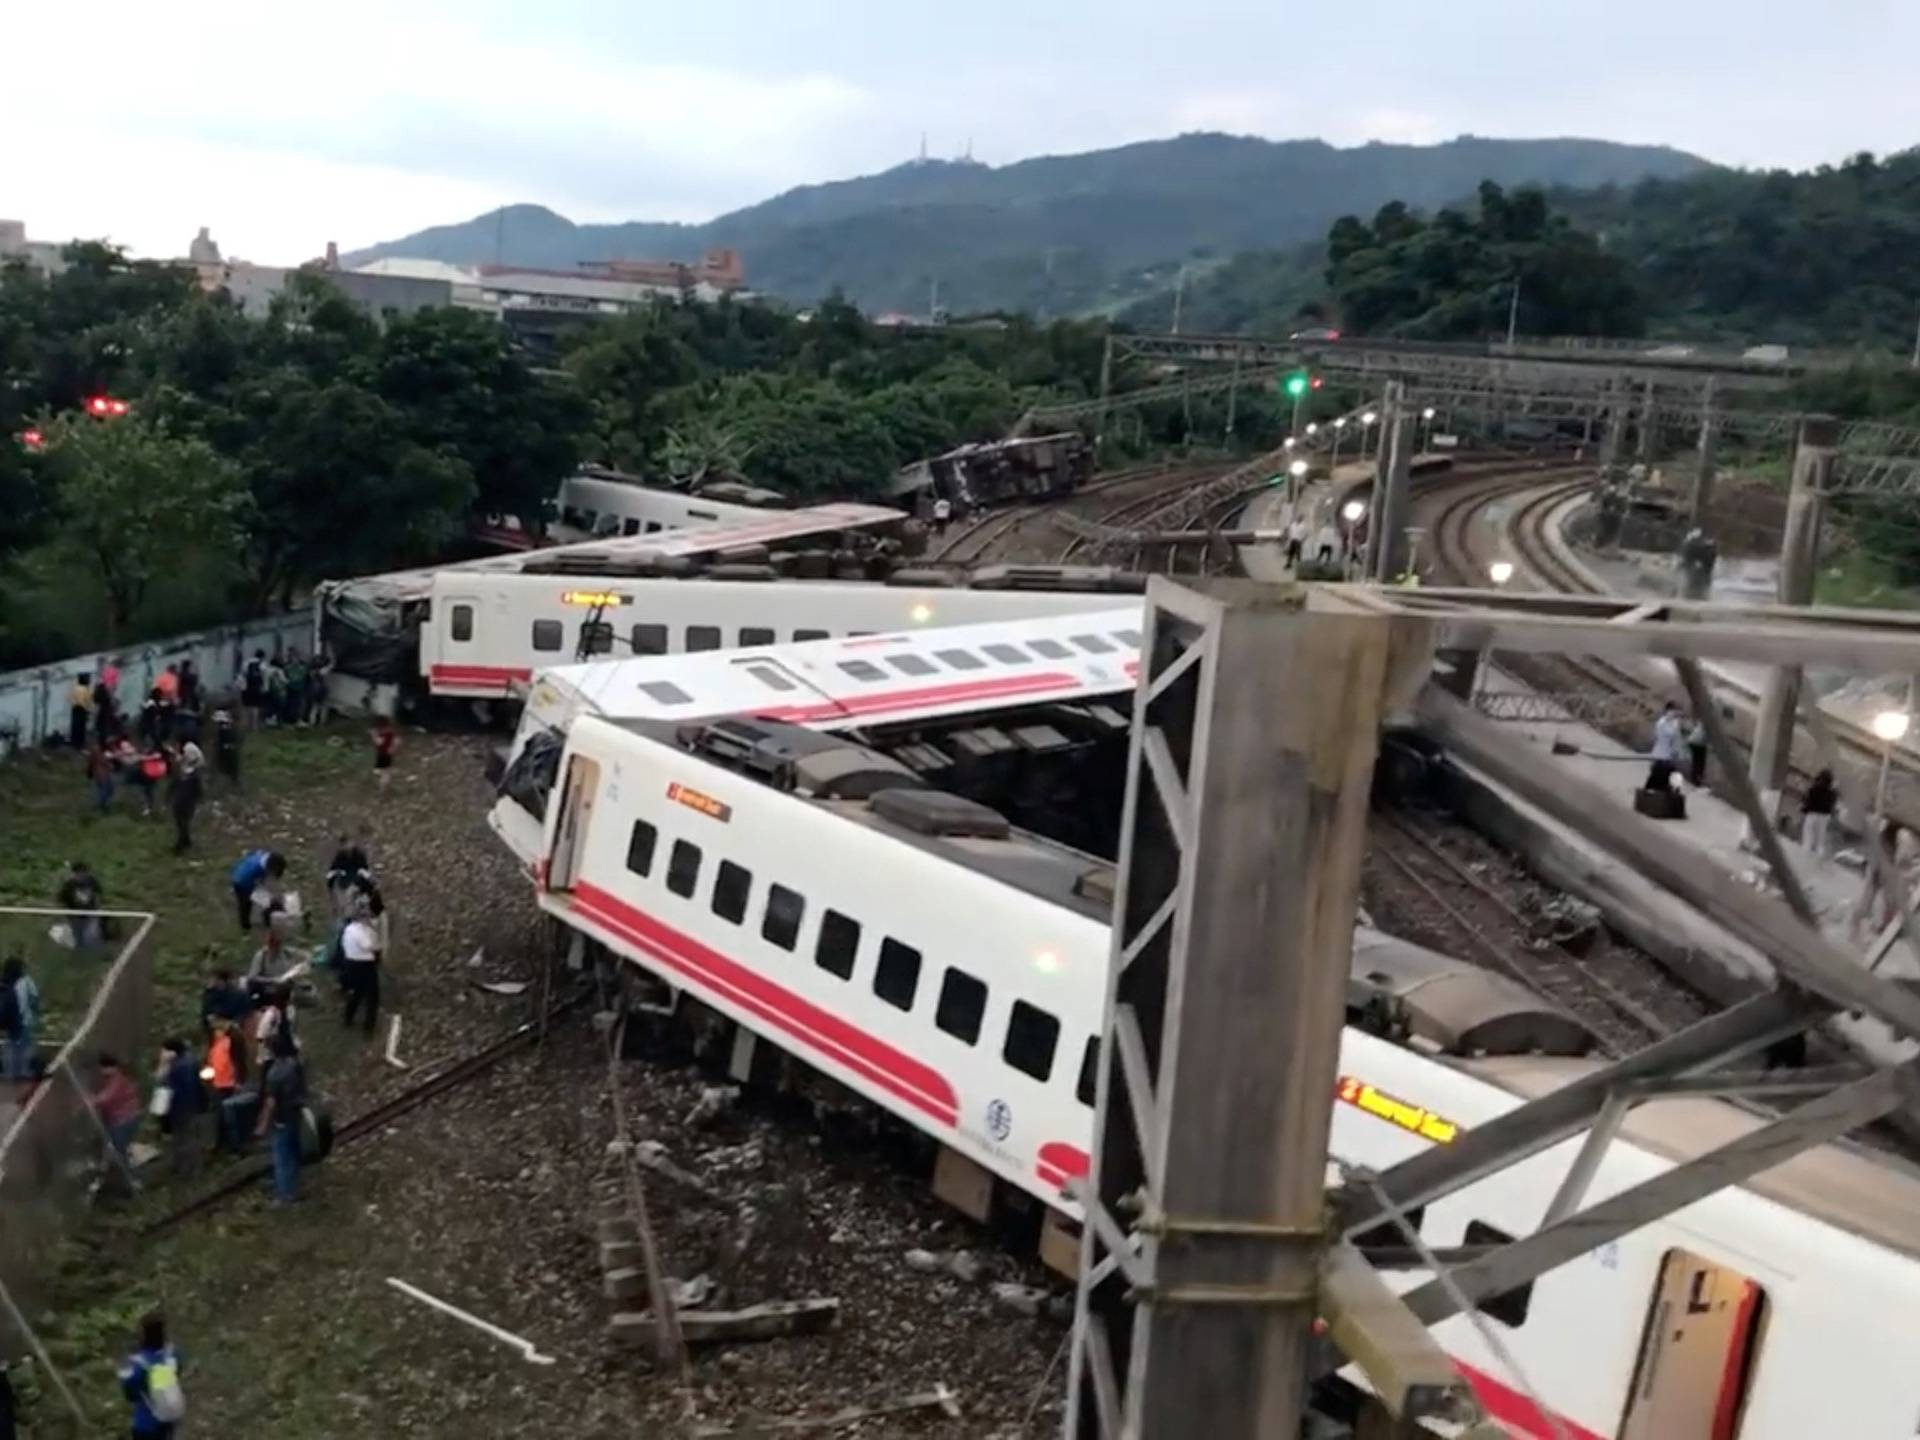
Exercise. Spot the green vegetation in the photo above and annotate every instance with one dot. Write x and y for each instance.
(254, 457)
(1056, 235)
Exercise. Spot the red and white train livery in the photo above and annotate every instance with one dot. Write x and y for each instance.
(911, 946)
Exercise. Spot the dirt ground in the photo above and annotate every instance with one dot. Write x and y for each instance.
(486, 1196)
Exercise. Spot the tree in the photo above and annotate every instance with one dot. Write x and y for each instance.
(131, 498)
(455, 377)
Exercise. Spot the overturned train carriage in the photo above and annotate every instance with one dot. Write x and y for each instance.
(1035, 467)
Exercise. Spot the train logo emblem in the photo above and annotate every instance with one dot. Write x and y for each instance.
(999, 1119)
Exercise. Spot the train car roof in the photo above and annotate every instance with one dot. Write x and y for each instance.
(1866, 1193)
(770, 527)
(907, 675)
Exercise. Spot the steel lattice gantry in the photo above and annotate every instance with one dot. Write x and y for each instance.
(1207, 1253)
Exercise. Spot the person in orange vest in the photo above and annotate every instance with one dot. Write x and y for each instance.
(225, 1072)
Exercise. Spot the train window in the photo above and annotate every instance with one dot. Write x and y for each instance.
(770, 677)
(1509, 1307)
(630, 526)
(665, 691)
(649, 639)
(897, 975)
(703, 637)
(1031, 1036)
(1089, 1074)
(811, 635)
(839, 943)
(1007, 654)
(548, 635)
(640, 848)
(960, 659)
(653, 528)
(1128, 637)
(755, 635)
(910, 665)
(1092, 644)
(862, 670)
(1051, 649)
(683, 870)
(963, 1000)
(785, 910)
(596, 637)
(731, 887)
(462, 622)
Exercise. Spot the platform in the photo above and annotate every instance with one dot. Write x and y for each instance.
(1319, 498)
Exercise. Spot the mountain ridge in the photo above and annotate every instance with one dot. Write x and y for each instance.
(1051, 233)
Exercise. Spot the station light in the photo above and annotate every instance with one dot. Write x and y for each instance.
(1428, 413)
(1892, 725)
(1500, 572)
(1297, 469)
(1312, 428)
(1353, 510)
(1368, 418)
(1297, 384)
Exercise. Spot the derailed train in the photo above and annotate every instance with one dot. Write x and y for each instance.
(951, 969)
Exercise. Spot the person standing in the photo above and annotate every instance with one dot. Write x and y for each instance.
(226, 747)
(360, 968)
(189, 764)
(1296, 540)
(253, 689)
(317, 671)
(226, 1073)
(349, 861)
(284, 1097)
(295, 700)
(80, 896)
(276, 701)
(1696, 738)
(1816, 813)
(106, 711)
(79, 711)
(386, 743)
(1667, 748)
(256, 868)
(1327, 544)
(19, 1017)
(148, 771)
(179, 1072)
(150, 1381)
(116, 1100)
(100, 777)
(189, 688)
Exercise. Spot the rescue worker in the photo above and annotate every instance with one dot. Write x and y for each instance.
(1668, 748)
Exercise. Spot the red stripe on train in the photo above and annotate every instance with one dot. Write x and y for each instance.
(1036, 683)
(1515, 1410)
(500, 675)
(899, 1074)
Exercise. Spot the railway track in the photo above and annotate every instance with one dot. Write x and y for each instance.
(978, 540)
(1521, 533)
(369, 1122)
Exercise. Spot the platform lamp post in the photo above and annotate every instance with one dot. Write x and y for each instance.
(1499, 572)
(1351, 512)
(1339, 434)
(1366, 433)
(1891, 727)
(1296, 472)
(1426, 420)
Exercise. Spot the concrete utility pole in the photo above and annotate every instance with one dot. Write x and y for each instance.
(1233, 395)
(1106, 387)
(1387, 541)
(1709, 446)
(1616, 437)
(1244, 827)
(1649, 424)
(1799, 554)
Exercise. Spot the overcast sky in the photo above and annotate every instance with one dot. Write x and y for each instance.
(282, 126)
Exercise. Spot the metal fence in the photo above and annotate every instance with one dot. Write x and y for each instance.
(33, 703)
(54, 1151)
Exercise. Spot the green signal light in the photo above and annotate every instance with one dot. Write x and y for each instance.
(1296, 385)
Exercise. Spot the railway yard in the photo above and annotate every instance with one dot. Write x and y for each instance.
(482, 1170)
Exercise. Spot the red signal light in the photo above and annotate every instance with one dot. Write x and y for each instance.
(116, 407)
(102, 406)
(97, 404)
(33, 439)
(1318, 382)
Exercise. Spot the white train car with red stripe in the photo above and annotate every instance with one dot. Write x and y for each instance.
(372, 625)
(912, 947)
(485, 634)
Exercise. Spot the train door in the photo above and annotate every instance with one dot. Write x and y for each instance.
(570, 829)
(459, 627)
(1697, 1354)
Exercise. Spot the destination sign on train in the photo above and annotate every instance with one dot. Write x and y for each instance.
(594, 599)
(1377, 1103)
(695, 800)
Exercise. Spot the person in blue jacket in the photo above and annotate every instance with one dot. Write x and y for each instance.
(150, 1379)
(254, 867)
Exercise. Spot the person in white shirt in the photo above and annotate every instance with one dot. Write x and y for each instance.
(942, 513)
(1669, 748)
(1327, 545)
(1296, 540)
(360, 969)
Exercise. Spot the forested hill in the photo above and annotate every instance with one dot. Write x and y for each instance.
(1054, 235)
(1829, 256)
